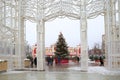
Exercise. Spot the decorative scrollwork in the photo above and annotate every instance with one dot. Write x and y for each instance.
(47, 10)
(95, 8)
(62, 8)
(8, 19)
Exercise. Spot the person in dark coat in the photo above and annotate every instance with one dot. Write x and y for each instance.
(31, 60)
(101, 61)
(51, 60)
(78, 59)
(48, 60)
(35, 61)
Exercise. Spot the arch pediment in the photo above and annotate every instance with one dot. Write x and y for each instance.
(61, 14)
(59, 8)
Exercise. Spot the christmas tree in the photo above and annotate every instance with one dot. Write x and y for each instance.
(61, 49)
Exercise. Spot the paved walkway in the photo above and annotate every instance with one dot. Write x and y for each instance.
(69, 71)
(66, 67)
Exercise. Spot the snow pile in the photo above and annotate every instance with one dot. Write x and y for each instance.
(98, 69)
(103, 70)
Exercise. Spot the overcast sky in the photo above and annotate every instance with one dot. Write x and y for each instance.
(70, 29)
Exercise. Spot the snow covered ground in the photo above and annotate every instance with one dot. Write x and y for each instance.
(98, 69)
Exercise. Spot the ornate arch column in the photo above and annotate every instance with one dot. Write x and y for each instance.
(83, 33)
(119, 18)
(40, 45)
(112, 37)
(21, 40)
(40, 36)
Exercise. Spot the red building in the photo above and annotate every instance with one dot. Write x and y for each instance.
(74, 51)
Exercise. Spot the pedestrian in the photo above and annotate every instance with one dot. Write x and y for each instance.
(47, 59)
(59, 60)
(35, 61)
(31, 60)
(78, 59)
(51, 60)
(101, 61)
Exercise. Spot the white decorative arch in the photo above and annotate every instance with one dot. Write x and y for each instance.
(15, 12)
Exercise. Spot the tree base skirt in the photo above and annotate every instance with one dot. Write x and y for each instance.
(62, 61)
